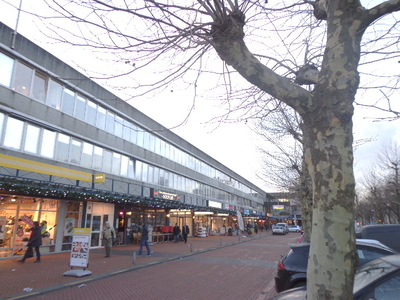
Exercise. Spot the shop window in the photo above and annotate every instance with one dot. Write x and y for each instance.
(13, 135)
(48, 143)
(91, 109)
(107, 159)
(7, 65)
(68, 101)
(54, 94)
(22, 79)
(62, 147)
(39, 87)
(31, 139)
(72, 217)
(75, 153)
(101, 118)
(87, 155)
(80, 108)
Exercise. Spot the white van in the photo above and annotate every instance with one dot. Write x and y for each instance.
(284, 225)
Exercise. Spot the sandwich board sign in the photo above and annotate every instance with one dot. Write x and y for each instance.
(79, 256)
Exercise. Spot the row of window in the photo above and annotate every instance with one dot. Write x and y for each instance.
(25, 137)
(30, 82)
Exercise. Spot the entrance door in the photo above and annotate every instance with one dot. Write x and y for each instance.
(97, 214)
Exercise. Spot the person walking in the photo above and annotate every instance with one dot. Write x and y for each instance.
(35, 241)
(185, 232)
(145, 239)
(108, 235)
(176, 231)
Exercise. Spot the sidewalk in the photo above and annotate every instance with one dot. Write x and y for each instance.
(47, 276)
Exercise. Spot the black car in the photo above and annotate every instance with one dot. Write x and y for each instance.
(377, 279)
(292, 268)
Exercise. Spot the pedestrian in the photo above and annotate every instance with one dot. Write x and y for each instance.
(256, 228)
(35, 241)
(185, 232)
(108, 235)
(176, 231)
(237, 229)
(145, 239)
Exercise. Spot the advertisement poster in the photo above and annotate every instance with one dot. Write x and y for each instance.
(69, 226)
(80, 248)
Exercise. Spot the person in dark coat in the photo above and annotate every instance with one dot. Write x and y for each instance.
(35, 241)
(145, 239)
(185, 232)
(176, 232)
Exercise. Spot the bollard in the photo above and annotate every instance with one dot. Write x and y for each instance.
(191, 247)
(134, 258)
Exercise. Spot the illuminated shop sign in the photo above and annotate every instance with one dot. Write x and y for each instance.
(214, 204)
(278, 207)
(166, 196)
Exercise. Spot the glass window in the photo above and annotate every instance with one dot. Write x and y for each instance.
(152, 142)
(124, 165)
(87, 155)
(151, 174)
(146, 140)
(161, 178)
(54, 95)
(76, 151)
(140, 135)
(162, 148)
(31, 139)
(138, 170)
(116, 163)
(1, 123)
(107, 159)
(68, 102)
(131, 169)
(110, 122)
(126, 130)
(97, 158)
(39, 87)
(157, 146)
(62, 147)
(156, 175)
(118, 126)
(145, 169)
(7, 64)
(101, 118)
(133, 134)
(22, 79)
(91, 109)
(13, 135)
(48, 143)
(80, 108)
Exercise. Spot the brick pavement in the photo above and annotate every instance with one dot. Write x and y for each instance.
(216, 267)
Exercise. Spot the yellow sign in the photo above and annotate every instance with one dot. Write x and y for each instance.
(33, 166)
(80, 231)
(99, 178)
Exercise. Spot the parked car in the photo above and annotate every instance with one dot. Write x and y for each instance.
(294, 228)
(292, 267)
(279, 230)
(377, 279)
(284, 225)
(388, 234)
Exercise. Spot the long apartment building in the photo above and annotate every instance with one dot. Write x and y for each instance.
(73, 155)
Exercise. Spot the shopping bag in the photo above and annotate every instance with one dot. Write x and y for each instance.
(29, 252)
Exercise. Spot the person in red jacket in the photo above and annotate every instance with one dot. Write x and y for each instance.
(35, 241)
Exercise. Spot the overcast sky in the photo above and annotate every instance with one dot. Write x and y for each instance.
(234, 145)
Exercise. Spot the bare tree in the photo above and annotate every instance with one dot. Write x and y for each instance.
(283, 158)
(181, 34)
